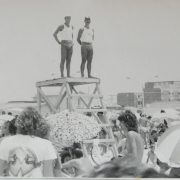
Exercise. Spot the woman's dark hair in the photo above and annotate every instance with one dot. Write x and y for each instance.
(12, 127)
(161, 131)
(129, 120)
(30, 122)
(153, 132)
(77, 152)
(64, 155)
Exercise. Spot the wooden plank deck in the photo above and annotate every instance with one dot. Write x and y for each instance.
(71, 81)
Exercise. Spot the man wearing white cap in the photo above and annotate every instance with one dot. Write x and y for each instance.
(85, 39)
(66, 44)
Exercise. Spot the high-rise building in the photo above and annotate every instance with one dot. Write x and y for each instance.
(130, 99)
(161, 91)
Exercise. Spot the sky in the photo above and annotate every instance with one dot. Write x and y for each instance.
(138, 39)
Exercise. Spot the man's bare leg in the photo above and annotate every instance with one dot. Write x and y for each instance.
(145, 141)
(89, 62)
(82, 67)
(68, 61)
(62, 67)
(63, 58)
(89, 69)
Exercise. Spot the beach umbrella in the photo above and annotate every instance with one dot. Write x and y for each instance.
(14, 111)
(6, 117)
(178, 109)
(169, 115)
(173, 111)
(168, 147)
(72, 127)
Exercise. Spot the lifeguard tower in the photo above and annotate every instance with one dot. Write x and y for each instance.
(68, 89)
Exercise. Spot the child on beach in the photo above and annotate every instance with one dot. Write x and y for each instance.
(151, 155)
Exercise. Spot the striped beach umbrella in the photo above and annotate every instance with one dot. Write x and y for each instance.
(168, 147)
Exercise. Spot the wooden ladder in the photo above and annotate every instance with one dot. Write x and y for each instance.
(68, 90)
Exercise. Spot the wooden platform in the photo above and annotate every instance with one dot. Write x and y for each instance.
(71, 81)
(67, 89)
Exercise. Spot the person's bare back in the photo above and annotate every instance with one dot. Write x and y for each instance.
(135, 146)
(83, 167)
(135, 149)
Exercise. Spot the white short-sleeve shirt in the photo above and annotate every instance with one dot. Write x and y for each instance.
(25, 155)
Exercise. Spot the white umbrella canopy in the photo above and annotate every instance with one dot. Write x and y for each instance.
(169, 115)
(70, 127)
(178, 109)
(168, 147)
(6, 117)
(173, 111)
(14, 111)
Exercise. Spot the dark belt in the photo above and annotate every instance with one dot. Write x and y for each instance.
(66, 41)
(86, 43)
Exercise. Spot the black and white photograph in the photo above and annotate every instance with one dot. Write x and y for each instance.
(89, 89)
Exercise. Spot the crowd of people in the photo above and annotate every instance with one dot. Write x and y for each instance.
(26, 150)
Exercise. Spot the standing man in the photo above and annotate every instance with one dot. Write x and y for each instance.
(66, 44)
(85, 39)
(144, 127)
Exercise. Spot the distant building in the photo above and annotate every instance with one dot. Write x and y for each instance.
(161, 91)
(130, 99)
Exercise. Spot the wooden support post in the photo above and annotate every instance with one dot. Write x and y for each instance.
(100, 122)
(60, 101)
(69, 98)
(111, 135)
(59, 97)
(49, 104)
(84, 150)
(38, 101)
(67, 88)
(90, 101)
(80, 97)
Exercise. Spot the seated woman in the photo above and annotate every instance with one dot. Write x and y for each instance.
(134, 142)
(27, 154)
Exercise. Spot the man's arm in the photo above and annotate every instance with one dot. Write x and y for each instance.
(69, 164)
(93, 35)
(60, 28)
(72, 32)
(79, 36)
